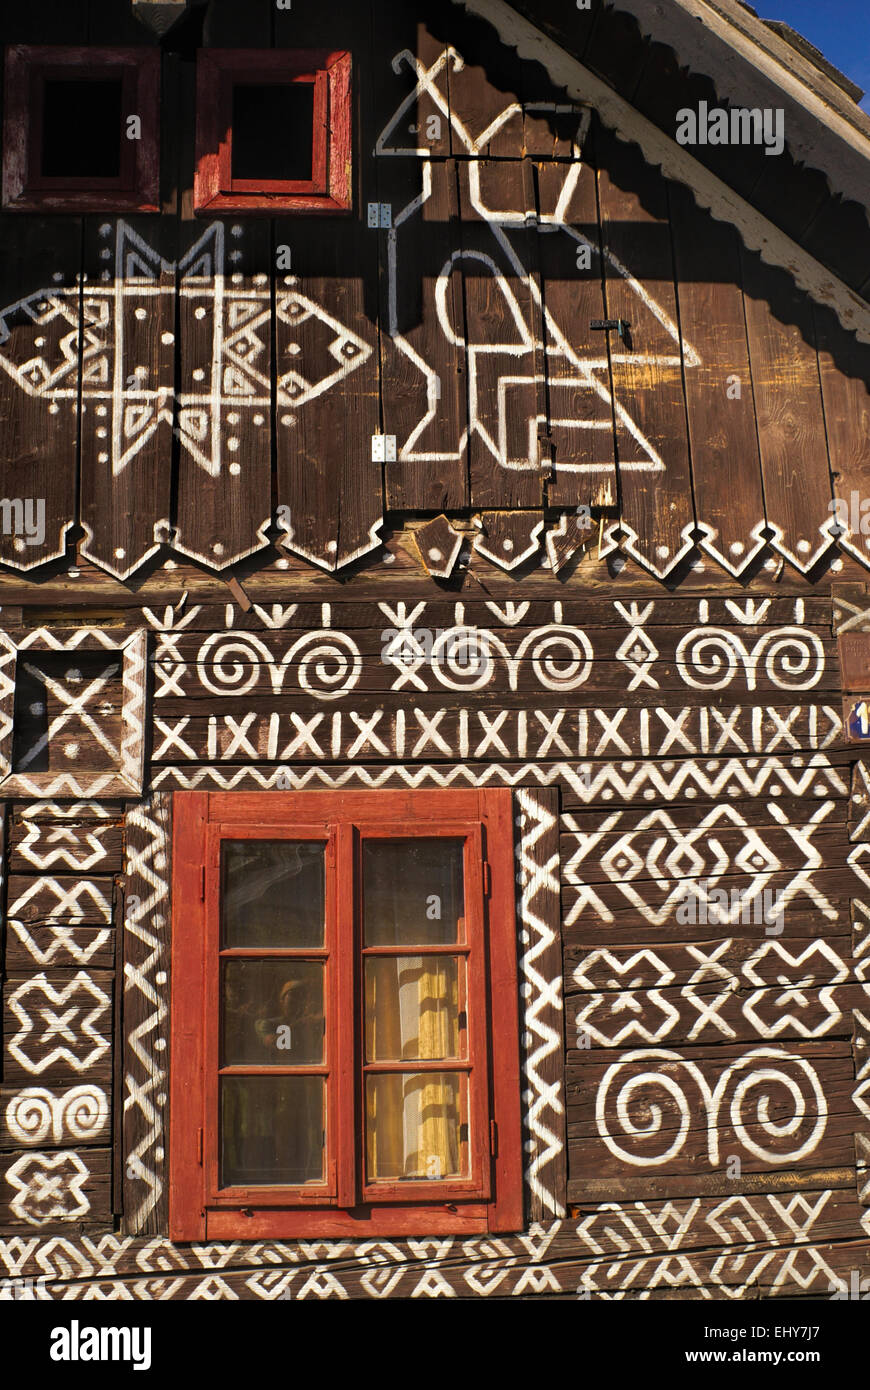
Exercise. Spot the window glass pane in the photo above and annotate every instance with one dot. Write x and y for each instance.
(414, 1128)
(413, 892)
(271, 1130)
(412, 1007)
(272, 893)
(81, 129)
(272, 1013)
(273, 131)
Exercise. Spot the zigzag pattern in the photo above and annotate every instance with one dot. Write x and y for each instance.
(543, 1014)
(146, 974)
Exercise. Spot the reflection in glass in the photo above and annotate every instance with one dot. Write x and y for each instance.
(413, 892)
(271, 1130)
(272, 893)
(412, 1007)
(413, 1126)
(272, 1013)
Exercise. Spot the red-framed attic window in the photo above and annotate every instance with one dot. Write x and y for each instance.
(344, 1015)
(273, 131)
(81, 129)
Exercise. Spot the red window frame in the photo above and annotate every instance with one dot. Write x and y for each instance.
(490, 1197)
(218, 72)
(137, 187)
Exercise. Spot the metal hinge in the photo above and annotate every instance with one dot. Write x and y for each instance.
(493, 1138)
(487, 880)
(199, 1147)
(383, 448)
(380, 215)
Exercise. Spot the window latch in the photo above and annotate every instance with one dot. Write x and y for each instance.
(487, 880)
(621, 325)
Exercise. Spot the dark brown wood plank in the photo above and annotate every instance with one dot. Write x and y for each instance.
(128, 391)
(224, 503)
(40, 318)
(54, 1116)
(790, 419)
(57, 1026)
(146, 1016)
(84, 899)
(330, 489)
(52, 1190)
(580, 410)
(726, 469)
(423, 372)
(31, 946)
(844, 369)
(41, 846)
(503, 330)
(652, 444)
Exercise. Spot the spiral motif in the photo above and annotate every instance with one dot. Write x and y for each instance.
(561, 657)
(714, 655)
(35, 1114)
(329, 663)
(462, 657)
(29, 1116)
(82, 1111)
(643, 1112)
(807, 1116)
(635, 1114)
(794, 658)
(229, 663)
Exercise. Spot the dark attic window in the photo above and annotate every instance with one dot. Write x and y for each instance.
(81, 129)
(273, 131)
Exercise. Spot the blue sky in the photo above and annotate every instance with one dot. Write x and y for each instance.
(839, 28)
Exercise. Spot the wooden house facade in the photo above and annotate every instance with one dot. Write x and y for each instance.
(435, 831)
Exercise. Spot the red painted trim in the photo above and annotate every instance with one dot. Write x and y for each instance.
(137, 189)
(491, 1196)
(329, 190)
(186, 1206)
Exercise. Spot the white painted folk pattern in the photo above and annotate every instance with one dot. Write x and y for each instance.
(689, 865)
(626, 1006)
(66, 1024)
(682, 1091)
(49, 1187)
(146, 1050)
(36, 1115)
(619, 1250)
(543, 1100)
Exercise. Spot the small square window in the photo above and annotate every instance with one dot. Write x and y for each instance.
(81, 129)
(273, 131)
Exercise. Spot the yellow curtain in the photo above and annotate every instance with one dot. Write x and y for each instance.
(412, 1119)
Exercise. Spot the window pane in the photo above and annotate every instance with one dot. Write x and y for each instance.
(412, 1007)
(413, 1126)
(413, 892)
(273, 893)
(81, 129)
(273, 131)
(271, 1130)
(272, 1013)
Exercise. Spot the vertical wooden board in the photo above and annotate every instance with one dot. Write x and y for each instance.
(146, 1015)
(844, 369)
(423, 356)
(485, 88)
(128, 384)
(788, 404)
(224, 500)
(406, 75)
(503, 333)
(580, 408)
(726, 471)
(40, 316)
(330, 490)
(230, 25)
(540, 959)
(651, 436)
